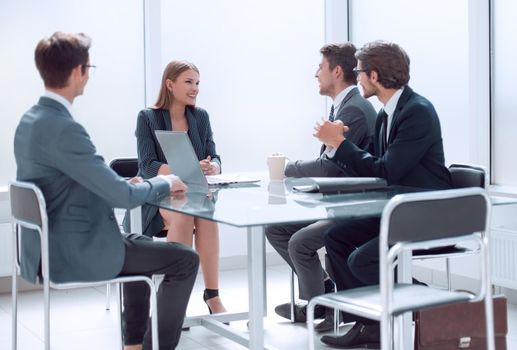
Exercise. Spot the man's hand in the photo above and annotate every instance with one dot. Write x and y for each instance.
(208, 167)
(177, 186)
(330, 133)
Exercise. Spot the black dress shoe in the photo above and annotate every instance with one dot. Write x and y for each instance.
(360, 336)
(328, 322)
(300, 312)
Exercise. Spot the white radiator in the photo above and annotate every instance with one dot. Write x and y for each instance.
(504, 257)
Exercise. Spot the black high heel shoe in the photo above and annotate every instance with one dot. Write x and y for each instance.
(209, 294)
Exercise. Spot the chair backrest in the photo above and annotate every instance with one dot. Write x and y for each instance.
(435, 215)
(27, 204)
(125, 167)
(28, 209)
(464, 175)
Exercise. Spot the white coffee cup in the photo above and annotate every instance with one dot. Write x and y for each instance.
(276, 164)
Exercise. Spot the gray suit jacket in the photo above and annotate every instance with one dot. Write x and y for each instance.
(359, 115)
(55, 152)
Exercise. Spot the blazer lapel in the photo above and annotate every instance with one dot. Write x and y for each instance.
(404, 98)
(193, 132)
(348, 96)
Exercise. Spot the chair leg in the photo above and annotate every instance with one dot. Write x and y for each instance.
(328, 268)
(46, 296)
(108, 292)
(310, 323)
(386, 332)
(154, 316)
(14, 316)
(118, 289)
(291, 284)
(336, 313)
(448, 273)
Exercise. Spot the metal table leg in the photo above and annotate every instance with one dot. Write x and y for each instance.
(256, 286)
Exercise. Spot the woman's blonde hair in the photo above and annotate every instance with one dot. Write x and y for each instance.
(172, 72)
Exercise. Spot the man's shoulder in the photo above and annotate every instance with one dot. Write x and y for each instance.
(47, 119)
(415, 101)
(359, 104)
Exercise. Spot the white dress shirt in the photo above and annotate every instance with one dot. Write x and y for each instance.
(389, 109)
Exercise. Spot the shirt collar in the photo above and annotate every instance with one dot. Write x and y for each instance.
(60, 99)
(390, 106)
(340, 97)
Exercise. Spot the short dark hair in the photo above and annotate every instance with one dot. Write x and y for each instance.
(388, 59)
(58, 55)
(342, 55)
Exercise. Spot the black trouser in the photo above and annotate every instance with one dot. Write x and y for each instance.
(179, 264)
(353, 250)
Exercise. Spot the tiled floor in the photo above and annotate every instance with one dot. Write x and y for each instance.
(80, 321)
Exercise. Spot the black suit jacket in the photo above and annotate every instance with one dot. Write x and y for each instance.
(151, 157)
(414, 154)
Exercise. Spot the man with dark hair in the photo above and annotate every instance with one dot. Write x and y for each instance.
(55, 152)
(336, 80)
(298, 243)
(407, 150)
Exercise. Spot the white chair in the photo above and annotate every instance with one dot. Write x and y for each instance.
(28, 210)
(462, 176)
(410, 222)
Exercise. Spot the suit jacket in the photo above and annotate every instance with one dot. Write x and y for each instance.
(357, 113)
(151, 157)
(414, 155)
(55, 152)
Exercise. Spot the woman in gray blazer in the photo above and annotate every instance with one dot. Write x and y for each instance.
(175, 110)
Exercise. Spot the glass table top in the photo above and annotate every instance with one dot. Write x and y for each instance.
(275, 203)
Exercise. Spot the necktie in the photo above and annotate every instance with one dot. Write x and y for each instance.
(331, 119)
(331, 115)
(384, 132)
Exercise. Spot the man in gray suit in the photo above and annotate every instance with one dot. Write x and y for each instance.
(337, 80)
(298, 243)
(55, 152)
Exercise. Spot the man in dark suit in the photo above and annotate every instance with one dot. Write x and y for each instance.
(55, 152)
(298, 244)
(407, 150)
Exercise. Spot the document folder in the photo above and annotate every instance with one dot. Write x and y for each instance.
(340, 184)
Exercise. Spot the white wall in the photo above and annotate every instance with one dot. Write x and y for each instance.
(115, 92)
(436, 41)
(257, 61)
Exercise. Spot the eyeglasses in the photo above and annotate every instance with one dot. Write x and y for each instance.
(91, 67)
(357, 71)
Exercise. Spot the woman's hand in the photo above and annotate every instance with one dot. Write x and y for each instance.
(208, 167)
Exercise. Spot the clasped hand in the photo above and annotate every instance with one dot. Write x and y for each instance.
(330, 133)
(209, 167)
